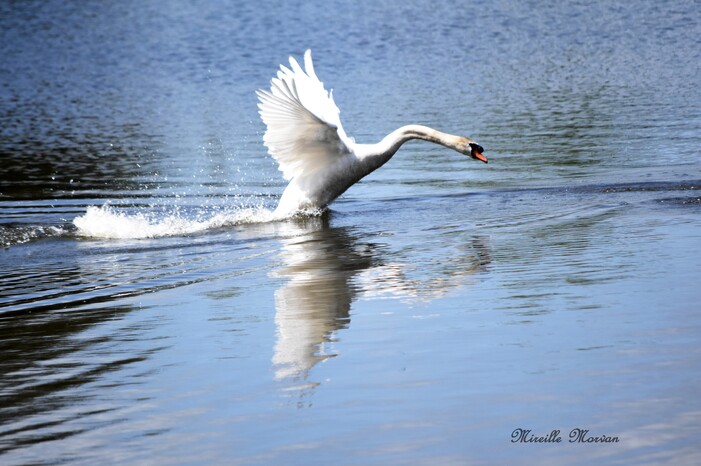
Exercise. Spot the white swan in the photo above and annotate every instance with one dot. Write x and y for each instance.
(304, 134)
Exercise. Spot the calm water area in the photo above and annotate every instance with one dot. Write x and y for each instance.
(151, 313)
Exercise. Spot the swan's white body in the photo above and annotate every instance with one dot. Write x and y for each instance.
(304, 134)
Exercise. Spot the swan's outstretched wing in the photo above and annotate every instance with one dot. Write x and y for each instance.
(304, 132)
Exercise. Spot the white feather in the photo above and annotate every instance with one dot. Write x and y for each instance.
(304, 132)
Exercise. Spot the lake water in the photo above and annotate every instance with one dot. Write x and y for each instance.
(149, 314)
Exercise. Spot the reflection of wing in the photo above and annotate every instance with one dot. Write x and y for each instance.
(318, 263)
(306, 318)
(304, 132)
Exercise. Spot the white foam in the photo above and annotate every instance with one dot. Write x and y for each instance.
(107, 222)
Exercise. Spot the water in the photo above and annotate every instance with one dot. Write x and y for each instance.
(150, 311)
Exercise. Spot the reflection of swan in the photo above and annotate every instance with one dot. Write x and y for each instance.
(305, 136)
(326, 269)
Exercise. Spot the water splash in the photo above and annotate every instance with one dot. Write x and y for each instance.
(108, 222)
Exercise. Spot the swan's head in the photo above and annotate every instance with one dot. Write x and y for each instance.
(475, 151)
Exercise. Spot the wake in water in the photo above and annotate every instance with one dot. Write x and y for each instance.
(108, 222)
(11, 235)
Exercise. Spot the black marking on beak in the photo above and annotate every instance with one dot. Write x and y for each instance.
(476, 147)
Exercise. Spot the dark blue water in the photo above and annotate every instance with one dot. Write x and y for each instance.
(150, 313)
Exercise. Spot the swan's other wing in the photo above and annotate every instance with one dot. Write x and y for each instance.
(304, 132)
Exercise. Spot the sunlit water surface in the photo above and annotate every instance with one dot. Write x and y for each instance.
(151, 312)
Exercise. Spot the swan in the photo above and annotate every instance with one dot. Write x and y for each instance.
(305, 136)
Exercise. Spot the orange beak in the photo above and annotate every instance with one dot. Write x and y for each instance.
(479, 156)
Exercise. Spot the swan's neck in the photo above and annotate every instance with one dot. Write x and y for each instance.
(378, 154)
(395, 139)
